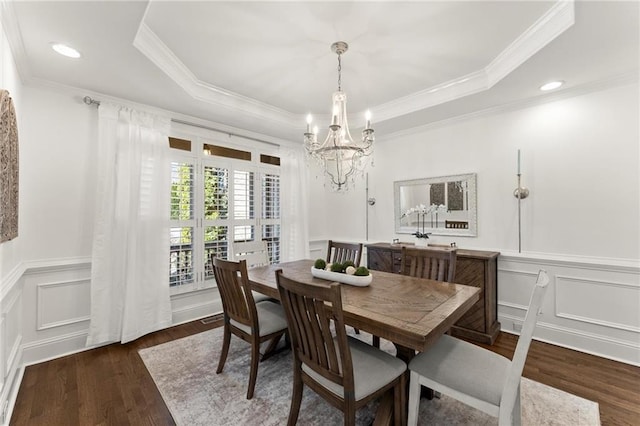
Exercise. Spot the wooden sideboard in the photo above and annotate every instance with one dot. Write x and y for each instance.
(474, 268)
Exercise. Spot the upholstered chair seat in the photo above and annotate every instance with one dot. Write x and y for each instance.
(372, 369)
(271, 319)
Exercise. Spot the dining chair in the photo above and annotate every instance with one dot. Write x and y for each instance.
(256, 253)
(340, 252)
(476, 376)
(341, 369)
(255, 323)
(431, 263)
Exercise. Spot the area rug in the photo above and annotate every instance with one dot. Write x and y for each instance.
(184, 372)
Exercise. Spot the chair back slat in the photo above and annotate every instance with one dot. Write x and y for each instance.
(338, 252)
(434, 264)
(311, 310)
(233, 285)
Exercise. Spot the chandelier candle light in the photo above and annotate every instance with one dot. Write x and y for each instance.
(339, 154)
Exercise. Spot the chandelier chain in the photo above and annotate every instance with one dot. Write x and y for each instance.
(339, 72)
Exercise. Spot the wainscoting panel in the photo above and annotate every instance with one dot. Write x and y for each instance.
(62, 303)
(10, 344)
(592, 305)
(588, 308)
(13, 337)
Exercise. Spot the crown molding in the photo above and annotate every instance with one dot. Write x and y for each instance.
(549, 26)
(14, 38)
(436, 95)
(79, 93)
(632, 77)
(150, 45)
(554, 22)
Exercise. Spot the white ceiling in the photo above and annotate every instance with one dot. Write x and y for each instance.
(263, 66)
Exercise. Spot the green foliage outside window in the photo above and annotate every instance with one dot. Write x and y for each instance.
(216, 198)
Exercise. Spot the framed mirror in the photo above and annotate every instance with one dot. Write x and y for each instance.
(444, 205)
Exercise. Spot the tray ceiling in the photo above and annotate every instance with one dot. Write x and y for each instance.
(263, 66)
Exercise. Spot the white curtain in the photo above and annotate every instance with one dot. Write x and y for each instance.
(130, 256)
(295, 211)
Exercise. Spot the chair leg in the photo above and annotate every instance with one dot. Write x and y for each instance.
(350, 413)
(226, 340)
(253, 374)
(513, 417)
(517, 414)
(398, 405)
(414, 399)
(376, 342)
(296, 397)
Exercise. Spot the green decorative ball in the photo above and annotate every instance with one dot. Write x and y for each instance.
(361, 272)
(320, 264)
(337, 267)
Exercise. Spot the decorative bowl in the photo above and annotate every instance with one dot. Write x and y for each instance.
(360, 281)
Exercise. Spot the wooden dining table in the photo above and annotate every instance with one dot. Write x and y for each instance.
(410, 312)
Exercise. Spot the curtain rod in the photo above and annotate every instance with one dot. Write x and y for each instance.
(90, 101)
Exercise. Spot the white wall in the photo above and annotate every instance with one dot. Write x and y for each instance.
(58, 147)
(581, 162)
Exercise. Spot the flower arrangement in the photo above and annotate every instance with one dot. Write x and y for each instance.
(422, 212)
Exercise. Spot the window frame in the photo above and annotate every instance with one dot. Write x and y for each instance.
(199, 159)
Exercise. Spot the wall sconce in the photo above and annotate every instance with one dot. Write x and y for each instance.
(520, 193)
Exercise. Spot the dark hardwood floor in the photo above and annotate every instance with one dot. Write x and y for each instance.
(111, 386)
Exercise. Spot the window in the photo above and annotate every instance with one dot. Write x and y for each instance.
(218, 195)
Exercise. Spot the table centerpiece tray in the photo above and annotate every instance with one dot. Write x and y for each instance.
(356, 280)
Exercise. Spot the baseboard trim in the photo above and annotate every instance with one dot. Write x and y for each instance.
(66, 344)
(195, 312)
(601, 346)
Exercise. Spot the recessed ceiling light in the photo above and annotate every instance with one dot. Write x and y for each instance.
(551, 85)
(65, 50)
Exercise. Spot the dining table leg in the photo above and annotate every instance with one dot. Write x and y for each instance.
(384, 415)
(407, 354)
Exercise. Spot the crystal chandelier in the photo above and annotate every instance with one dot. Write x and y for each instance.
(339, 154)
